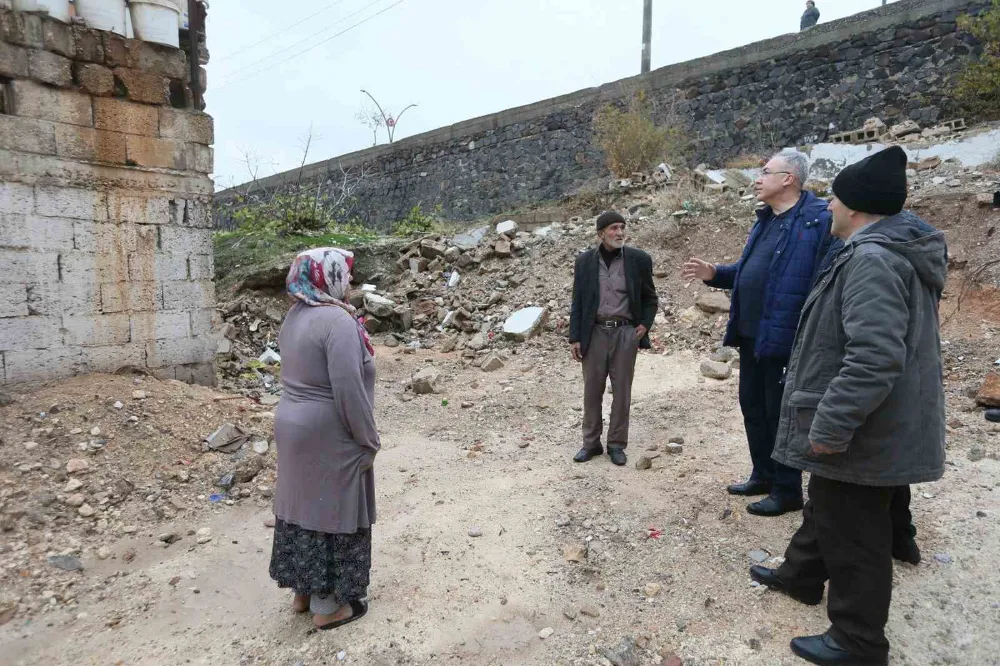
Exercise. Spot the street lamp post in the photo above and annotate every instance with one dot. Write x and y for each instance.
(647, 34)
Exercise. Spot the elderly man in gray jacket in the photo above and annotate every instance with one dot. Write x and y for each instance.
(863, 408)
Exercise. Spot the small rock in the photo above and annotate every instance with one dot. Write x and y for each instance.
(86, 511)
(569, 613)
(425, 381)
(118, 404)
(759, 556)
(563, 521)
(76, 500)
(95, 432)
(644, 462)
(30, 446)
(226, 481)
(103, 553)
(652, 589)
(138, 395)
(943, 558)
(269, 522)
(674, 448)
(713, 302)
(508, 228)
(260, 446)
(169, 537)
(754, 644)
(75, 465)
(204, 535)
(73, 485)
(676, 439)
(266, 492)
(546, 632)
(66, 562)
(714, 370)
(475, 532)
(575, 552)
(589, 611)
(981, 514)
(623, 654)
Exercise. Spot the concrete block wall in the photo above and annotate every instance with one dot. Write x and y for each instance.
(105, 199)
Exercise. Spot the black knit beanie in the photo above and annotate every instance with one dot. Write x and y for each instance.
(876, 184)
(608, 218)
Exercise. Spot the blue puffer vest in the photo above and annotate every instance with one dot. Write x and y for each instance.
(805, 238)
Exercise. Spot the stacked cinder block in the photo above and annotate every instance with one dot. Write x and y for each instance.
(105, 240)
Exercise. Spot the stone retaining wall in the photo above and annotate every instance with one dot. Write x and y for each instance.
(894, 62)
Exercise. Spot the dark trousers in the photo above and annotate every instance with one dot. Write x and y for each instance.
(899, 511)
(846, 537)
(612, 353)
(761, 389)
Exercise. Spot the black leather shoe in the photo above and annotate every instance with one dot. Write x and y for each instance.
(769, 577)
(750, 488)
(618, 456)
(584, 455)
(825, 651)
(906, 550)
(774, 506)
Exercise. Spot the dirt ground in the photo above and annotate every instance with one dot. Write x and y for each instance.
(439, 595)
(166, 569)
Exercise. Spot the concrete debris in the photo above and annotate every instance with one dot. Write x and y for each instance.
(525, 323)
(77, 465)
(492, 363)
(228, 438)
(503, 248)
(470, 240)
(379, 306)
(269, 357)
(425, 381)
(546, 632)
(713, 302)
(624, 654)
(508, 228)
(714, 370)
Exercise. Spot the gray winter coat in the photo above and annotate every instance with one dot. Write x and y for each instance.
(810, 17)
(865, 376)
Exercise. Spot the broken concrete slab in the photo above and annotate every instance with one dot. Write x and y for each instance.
(470, 239)
(508, 228)
(989, 392)
(492, 363)
(525, 323)
(379, 306)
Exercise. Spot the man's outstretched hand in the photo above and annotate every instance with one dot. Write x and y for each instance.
(696, 268)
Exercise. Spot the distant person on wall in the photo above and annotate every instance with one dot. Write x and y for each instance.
(810, 16)
(770, 283)
(325, 434)
(614, 304)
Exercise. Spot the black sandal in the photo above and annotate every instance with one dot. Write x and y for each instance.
(359, 608)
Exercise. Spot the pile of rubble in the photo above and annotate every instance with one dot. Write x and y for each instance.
(909, 131)
(96, 466)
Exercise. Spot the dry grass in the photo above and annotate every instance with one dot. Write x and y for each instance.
(747, 161)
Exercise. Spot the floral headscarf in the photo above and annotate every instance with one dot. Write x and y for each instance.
(321, 277)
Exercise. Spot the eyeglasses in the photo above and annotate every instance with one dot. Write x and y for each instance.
(768, 172)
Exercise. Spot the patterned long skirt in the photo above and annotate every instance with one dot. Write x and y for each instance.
(333, 566)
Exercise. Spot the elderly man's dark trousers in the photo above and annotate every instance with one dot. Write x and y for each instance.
(612, 353)
(761, 389)
(846, 537)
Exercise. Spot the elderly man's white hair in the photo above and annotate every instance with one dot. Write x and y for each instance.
(798, 164)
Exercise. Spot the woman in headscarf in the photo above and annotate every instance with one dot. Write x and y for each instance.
(326, 439)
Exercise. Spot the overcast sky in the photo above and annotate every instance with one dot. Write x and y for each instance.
(455, 59)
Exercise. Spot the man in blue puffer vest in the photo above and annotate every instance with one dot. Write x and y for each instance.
(770, 283)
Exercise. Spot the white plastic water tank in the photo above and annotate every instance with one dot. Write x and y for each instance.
(57, 9)
(103, 14)
(155, 21)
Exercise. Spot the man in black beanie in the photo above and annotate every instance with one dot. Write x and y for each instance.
(614, 304)
(863, 408)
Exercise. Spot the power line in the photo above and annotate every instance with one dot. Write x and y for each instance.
(279, 32)
(235, 74)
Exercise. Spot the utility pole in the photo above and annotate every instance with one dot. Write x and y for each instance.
(647, 34)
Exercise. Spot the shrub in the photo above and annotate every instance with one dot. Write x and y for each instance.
(632, 142)
(978, 87)
(416, 223)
